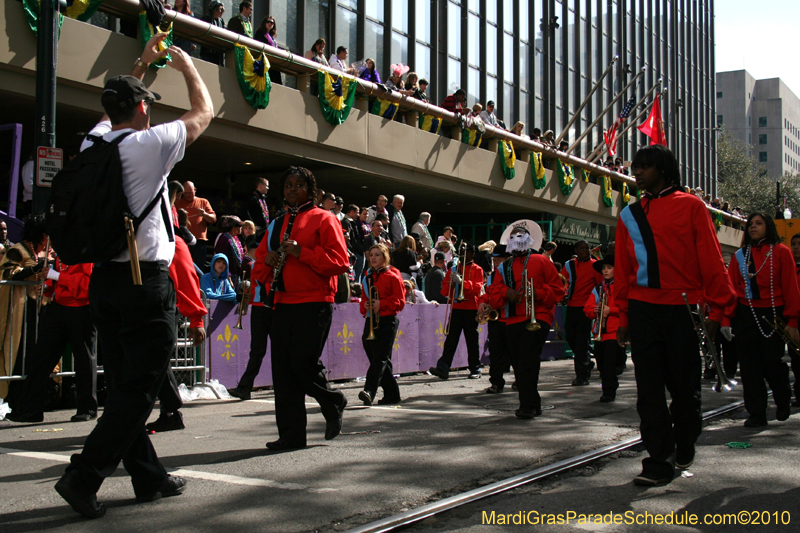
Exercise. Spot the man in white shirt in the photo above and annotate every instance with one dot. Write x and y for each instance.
(421, 228)
(397, 222)
(337, 61)
(378, 208)
(136, 324)
(487, 115)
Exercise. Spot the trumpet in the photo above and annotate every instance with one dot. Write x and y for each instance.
(780, 328)
(374, 321)
(530, 310)
(708, 350)
(242, 308)
(600, 322)
(490, 315)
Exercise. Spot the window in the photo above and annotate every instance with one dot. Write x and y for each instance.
(762, 138)
(719, 120)
(454, 29)
(423, 15)
(719, 94)
(346, 23)
(400, 15)
(762, 157)
(762, 122)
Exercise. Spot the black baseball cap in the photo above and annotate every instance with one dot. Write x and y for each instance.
(126, 91)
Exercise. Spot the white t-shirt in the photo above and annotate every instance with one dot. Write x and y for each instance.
(147, 158)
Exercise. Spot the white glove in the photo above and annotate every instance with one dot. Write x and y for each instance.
(53, 274)
(456, 278)
(727, 333)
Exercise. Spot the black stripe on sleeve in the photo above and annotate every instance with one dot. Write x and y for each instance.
(649, 241)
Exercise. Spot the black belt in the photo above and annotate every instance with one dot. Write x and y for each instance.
(144, 266)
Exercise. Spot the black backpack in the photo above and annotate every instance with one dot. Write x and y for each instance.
(87, 208)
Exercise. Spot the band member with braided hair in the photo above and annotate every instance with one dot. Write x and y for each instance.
(303, 251)
(666, 246)
(763, 274)
(601, 307)
(382, 322)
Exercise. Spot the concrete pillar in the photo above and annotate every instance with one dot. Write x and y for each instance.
(362, 104)
(302, 83)
(412, 118)
(455, 132)
(493, 143)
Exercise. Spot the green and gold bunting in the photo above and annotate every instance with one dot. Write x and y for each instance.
(537, 169)
(429, 123)
(626, 194)
(251, 71)
(585, 175)
(31, 8)
(82, 9)
(384, 108)
(566, 177)
(336, 96)
(507, 158)
(147, 33)
(471, 137)
(607, 191)
(716, 218)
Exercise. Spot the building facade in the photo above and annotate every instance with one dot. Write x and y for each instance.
(765, 115)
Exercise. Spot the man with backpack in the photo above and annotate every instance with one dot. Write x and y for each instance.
(135, 321)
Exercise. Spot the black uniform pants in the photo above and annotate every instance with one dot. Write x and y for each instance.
(136, 327)
(608, 355)
(379, 352)
(578, 328)
(60, 325)
(298, 339)
(260, 324)
(462, 320)
(499, 354)
(666, 355)
(526, 357)
(795, 361)
(760, 359)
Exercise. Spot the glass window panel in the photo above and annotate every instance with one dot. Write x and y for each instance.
(570, 30)
(508, 15)
(473, 86)
(538, 66)
(474, 40)
(399, 48)
(524, 112)
(558, 88)
(285, 13)
(491, 11)
(491, 89)
(374, 9)
(508, 57)
(400, 15)
(491, 49)
(474, 5)
(453, 29)
(317, 16)
(453, 75)
(508, 103)
(353, 4)
(423, 14)
(524, 72)
(373, 45)
(523, 20)
(346, 32)
(422, 64)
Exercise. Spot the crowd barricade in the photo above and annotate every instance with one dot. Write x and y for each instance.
(417, 347)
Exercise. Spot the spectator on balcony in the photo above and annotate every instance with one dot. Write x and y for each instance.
(412, 83)
(447, 235)
(421, 228)
(317, 54)
(214, 17)
(241, 23)
(200, 215)
(446, 247)
(536, 135)
(376, 236)
(228, 243)
(487, 115)
(420, 93)
(267, 32)
(404, 258)
(563, 146)
(476, 110)
(549, 138)
(182, 7)
(517, 129)
(338, 205)
(455, 103)
(369, 72)
(395, 81)
(378, 208)
(397, 221)
(337, 61)
(363, 215)
(256, 208)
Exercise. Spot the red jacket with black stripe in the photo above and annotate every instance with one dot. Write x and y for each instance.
(391, 292)
(612, 321)
(582, 278)
(756, 291)
(473, 282)
(72, 287)
(665, 247)
(546, 281)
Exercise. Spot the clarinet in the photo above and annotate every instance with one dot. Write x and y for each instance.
(269, 302)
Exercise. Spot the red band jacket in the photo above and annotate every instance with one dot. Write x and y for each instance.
(72, 287)
(391, 292)
(612, 321)
(187, 285)
(473, 279)
(582, 278)
(546, 281)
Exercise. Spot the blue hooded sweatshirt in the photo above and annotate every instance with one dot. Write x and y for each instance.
(218, 287)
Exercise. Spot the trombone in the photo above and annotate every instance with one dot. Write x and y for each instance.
(597, 252)
(451, 290)
(530, 311)
(242, 308)
(600, 322)
(780, 328)
(708, 349)
(374, 321)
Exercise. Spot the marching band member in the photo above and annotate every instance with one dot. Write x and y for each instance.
(763, 274)
(666, 246)
(389, 301)
(463, 317)
(499, 355)
(582, 279)
(606, 317)
(795, 356)
(304, 251)
(507, 294)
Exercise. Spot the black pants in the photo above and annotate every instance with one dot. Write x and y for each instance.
(526, 357)
(379, 352)
(59, 326)
(136, 327)
(169, 397)
(198, 253)
(607, 354)
(665, 354)
(462, 320)
(260, 324)
(795, 359)
(578, 328)
(760, 359)
(499, 354)
(298, 339)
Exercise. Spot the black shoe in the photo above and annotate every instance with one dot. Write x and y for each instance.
(83, 417)
(71, 488)
(365, 397)
(526, 414)
(388, 401)
(166, 422)
(755, 421)
(651, 479)
(684, 457)
(494, 389)
(239, 392)
(475, 375)
(172, 486)
(783, 413)
(334, 427)
(606, 398)
(25, 418)
(580, 381)
(441, 374)
(796, 402)
(281, 445)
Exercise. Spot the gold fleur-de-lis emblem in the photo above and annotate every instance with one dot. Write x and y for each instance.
(346, 335)
(228, 338)
(440, 333)
(396, 344)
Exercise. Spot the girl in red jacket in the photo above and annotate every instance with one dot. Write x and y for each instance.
(389, 301)
(607, 350)
(763, 275)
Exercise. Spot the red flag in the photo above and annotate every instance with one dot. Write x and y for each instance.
(653, 127)
(610, 137)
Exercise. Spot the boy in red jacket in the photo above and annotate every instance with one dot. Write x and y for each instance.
(606, 350)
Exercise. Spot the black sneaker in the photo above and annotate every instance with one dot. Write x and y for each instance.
(441, 374)
(25, 418)
(281, 445)
(239, 392)
(475, 375)
(684, 457)
(651, 479)
(796, 402)
(494, 389)
(71, 488)
(605, 398)
(83, 417)
(365, 397)
(527, 414)
(172, 486)
(755, 421)
(334, 427)
(166, 422)
(580, 381)
(783, 413)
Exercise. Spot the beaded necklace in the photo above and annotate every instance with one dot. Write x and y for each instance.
(748, 294)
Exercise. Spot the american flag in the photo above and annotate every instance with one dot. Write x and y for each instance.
(610, 135)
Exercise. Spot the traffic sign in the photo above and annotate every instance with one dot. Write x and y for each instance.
(48, 162)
